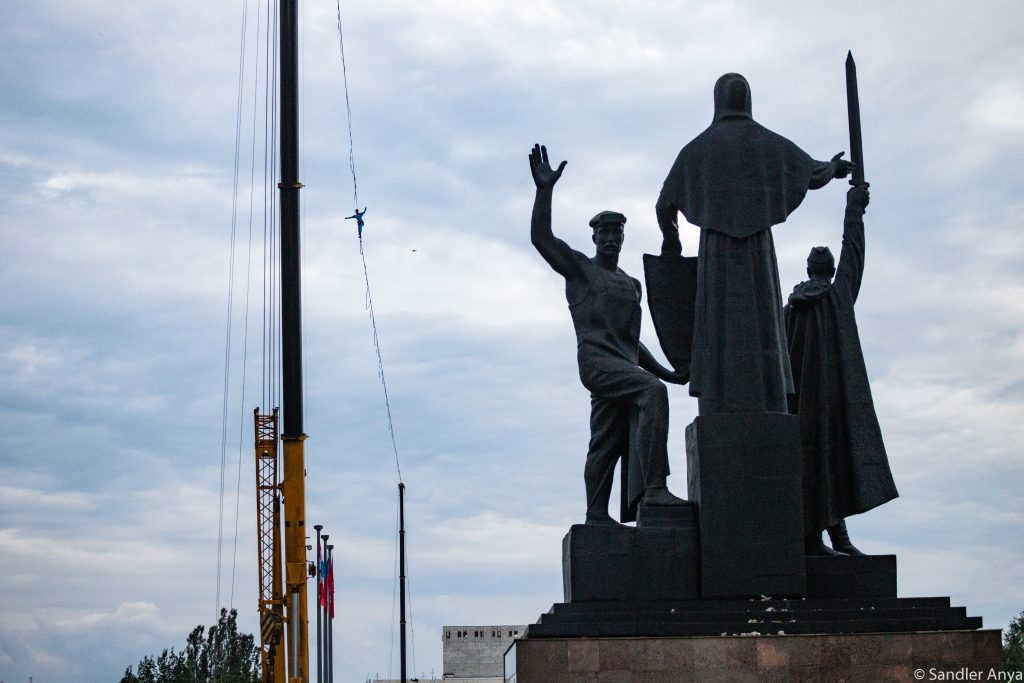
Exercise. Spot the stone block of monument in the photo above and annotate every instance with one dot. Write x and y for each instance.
(602, 563)
(744, 475)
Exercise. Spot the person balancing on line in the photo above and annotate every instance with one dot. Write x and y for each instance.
(358, 215)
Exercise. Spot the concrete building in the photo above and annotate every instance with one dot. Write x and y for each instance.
(477, 652)
(472, 654)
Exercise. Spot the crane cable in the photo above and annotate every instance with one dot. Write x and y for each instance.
(230, 311)
(358, 216)
(269, 389)
(248, 282)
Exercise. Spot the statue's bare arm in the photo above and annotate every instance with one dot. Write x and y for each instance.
(649, 363)
(557, 253)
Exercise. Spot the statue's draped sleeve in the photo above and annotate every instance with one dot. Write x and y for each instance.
(850, 270)
(738, 178)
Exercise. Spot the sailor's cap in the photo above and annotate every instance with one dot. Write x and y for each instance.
(608, 218)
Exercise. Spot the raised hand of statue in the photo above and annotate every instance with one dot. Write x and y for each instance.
(543, 175)
(841, 167)
(857, 197)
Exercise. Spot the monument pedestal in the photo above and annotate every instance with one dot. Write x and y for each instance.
(720, 589)
(807, 639)
(745, 474)
(627, 564)
(866, 658)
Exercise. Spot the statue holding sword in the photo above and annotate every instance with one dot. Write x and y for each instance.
(845, 466)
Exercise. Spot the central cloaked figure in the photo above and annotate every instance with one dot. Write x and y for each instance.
(735, 181)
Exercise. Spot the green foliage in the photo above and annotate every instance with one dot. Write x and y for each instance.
(223, 656)
(1013, 645)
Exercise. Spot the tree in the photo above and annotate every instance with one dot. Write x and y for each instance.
(223, 656)
(1013, 645)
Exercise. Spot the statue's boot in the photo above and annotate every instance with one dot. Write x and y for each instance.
(815, 547)
(660, 496)
(598, 519)
(841, 539)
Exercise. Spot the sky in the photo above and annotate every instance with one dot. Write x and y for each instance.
(117, 210)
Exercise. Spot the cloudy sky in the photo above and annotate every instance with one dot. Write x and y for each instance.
(117, 149)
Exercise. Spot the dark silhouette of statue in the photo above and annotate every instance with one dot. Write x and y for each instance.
(629, 404)
(846, 470)
(735, 181)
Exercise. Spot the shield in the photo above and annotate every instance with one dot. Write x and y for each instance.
(671, 297)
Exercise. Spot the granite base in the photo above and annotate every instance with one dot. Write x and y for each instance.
(867, 658)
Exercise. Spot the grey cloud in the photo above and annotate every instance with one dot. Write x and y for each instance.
(115, 206)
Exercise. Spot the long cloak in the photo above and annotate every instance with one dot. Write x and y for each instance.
(739, 363)
(735, 181)
(846, 469)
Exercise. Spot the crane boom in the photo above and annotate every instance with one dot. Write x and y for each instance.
(285, 605)
(293, 485)
(293, 461)
(268, 541)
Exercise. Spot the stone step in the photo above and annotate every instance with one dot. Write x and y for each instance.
(754, 615)
(714, 617)
(798, 604)
(799, 627)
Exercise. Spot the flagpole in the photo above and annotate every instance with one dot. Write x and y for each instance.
(401, 569)
(319, 614)
(329, 615)
(323, 604)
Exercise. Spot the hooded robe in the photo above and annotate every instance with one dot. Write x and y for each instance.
(735, 181)
(846, 470)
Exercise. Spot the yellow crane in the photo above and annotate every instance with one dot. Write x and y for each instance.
(284, 624)
(268, 541)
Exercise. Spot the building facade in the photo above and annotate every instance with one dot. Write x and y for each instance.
(472, 654)
(477, 651)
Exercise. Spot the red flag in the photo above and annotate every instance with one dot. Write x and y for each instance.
(321, 575)
(329, 588)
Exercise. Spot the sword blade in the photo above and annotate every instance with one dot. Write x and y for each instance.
(853, 112)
